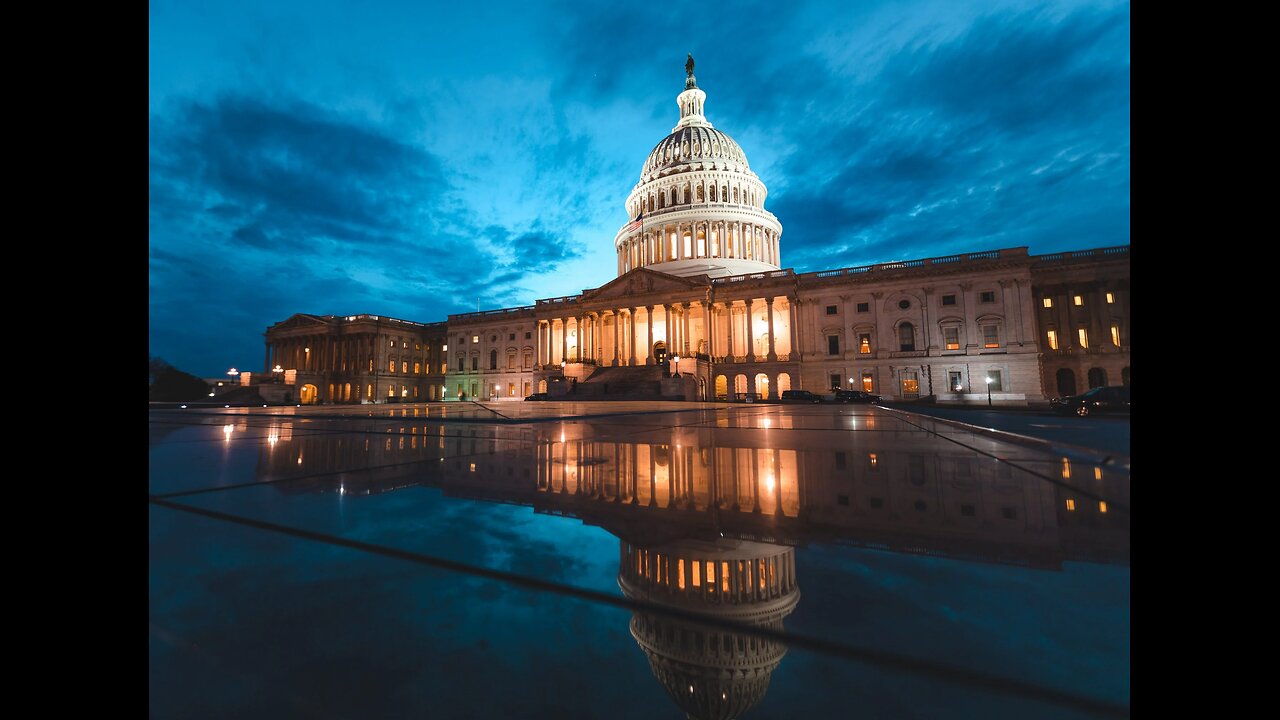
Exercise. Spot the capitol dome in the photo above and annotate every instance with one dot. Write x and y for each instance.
(698, 209)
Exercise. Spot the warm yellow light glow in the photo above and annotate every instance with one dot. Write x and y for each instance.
(1066, 469)
(444, 348)
(227, 430)
(724, 576)
(1111, 299)
(872, 457)
(273, 439)
(473, 467)
(1115, 335)
(680, 573)
(1048, 302)
(1097, 473)
(697, 573)
(475, 338)
(766, 422)
(1053, 339)
(1084, 338)
(1071, 505)
(1077, 300)
(1102, 507)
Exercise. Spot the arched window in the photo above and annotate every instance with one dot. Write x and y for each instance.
(1097, 377)
(688, 194)
(906, 337)
(702, 194)
(1066, 382)
(712, 190)
(493, 359)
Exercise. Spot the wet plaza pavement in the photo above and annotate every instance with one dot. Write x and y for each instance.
(629, 560)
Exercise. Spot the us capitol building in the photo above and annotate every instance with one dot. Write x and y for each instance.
(703, 308)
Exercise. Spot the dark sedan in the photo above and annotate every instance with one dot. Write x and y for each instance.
(854, 396)
(1098, 401)
(803, 396)
(537, 396)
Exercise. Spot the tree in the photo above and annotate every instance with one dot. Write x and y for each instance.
(173, 385)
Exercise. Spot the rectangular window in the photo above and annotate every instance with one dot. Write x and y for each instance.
(968, 510)
(444, 348)
(832, 309)
(528, 361)
(511, 362)
(835, 381)
(987, 297)
(475, 363)
(867, 384)
(1071, 505)
(528, 336)
(461, 364)
(864, 307)
(1115, 335)
(1111, 299)
(1048, 302)
(368, 392)
(511, 389)
(948, 299)
(475, 339)
(951, 336)
(991, 336)
(875, 502)
(417, 368)
(370, 364)
(1084, 337)
(1053, 339)
(404, 366)
(391, 366)
(415, 392)
(997, 382)
(1077, 300)
(864, 343)
(955, 380)
(1102, 507)
(833, 344)
(513, 336)
(841, 459)
(417, 346)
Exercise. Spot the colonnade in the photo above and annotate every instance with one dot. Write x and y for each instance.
(685, 241)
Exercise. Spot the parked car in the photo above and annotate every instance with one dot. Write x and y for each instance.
(800, 396)
(1098, 401)
(853, 396)
(537, 396)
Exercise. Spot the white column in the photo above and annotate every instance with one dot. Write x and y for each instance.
(772, 356)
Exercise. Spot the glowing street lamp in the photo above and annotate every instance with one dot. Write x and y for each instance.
(989, 381)
(233, 373)
(676, 359)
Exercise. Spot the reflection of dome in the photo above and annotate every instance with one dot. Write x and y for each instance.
(699, 206)
(712, 674)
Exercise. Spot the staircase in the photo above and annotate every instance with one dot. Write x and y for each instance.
(628, 382)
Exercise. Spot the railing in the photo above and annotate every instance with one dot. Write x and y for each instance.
(924, 262)
(489, 313)
(1078, 255)
(356, 318)
(752, 276)
(563, 300)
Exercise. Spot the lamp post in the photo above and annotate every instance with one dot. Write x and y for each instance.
(676, 359)
(276, 371)
(989, 381)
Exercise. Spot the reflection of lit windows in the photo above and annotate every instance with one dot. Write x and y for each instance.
(1102, 507)
(1053, 339)
(1115, 335)
(1048, 302)
(1083, 335)
(1071, 505)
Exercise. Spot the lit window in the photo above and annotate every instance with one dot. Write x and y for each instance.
(991, 336)
(370, 364)
(404, 366)
(444, 348)
(867, 383)
(1084, 337)
(1115, 335)
(1053, 339)
(872, 459)
(391, 366)
(1077, 300)
(1097, 473)
(404, 345)
(951, 337)
(864, 343)
(1048, 302)
(417, 368)
(393, 343)
(1071, 505)
(1111, 299)
(475, 338)
(1102, 507)
(1066, 469)
(417, 346)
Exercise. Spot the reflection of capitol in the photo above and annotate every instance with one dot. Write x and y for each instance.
(709, 516)
(711, 673)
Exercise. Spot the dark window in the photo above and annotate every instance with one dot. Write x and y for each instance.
(1009, 513)
(967, 510)
(835, 381)
(528, 335)
(475, 365)
(493, 338)
(948, 299)
(493, 359)
(842, 499)
(904, 304)
(512, 336)
(833, 345)
(920, 506)
(1097, 377)
(840, 461)
(864, 307)
(462, 364)
(831, 309)
(906, 337)
(987, 297)
(877, 502)
(991, 336)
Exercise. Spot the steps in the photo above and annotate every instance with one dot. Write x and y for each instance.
(628, 382)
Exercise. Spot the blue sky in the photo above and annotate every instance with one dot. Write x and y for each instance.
(414, 158)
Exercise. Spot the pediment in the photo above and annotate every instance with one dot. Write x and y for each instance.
(640, 282)
(301, 320)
